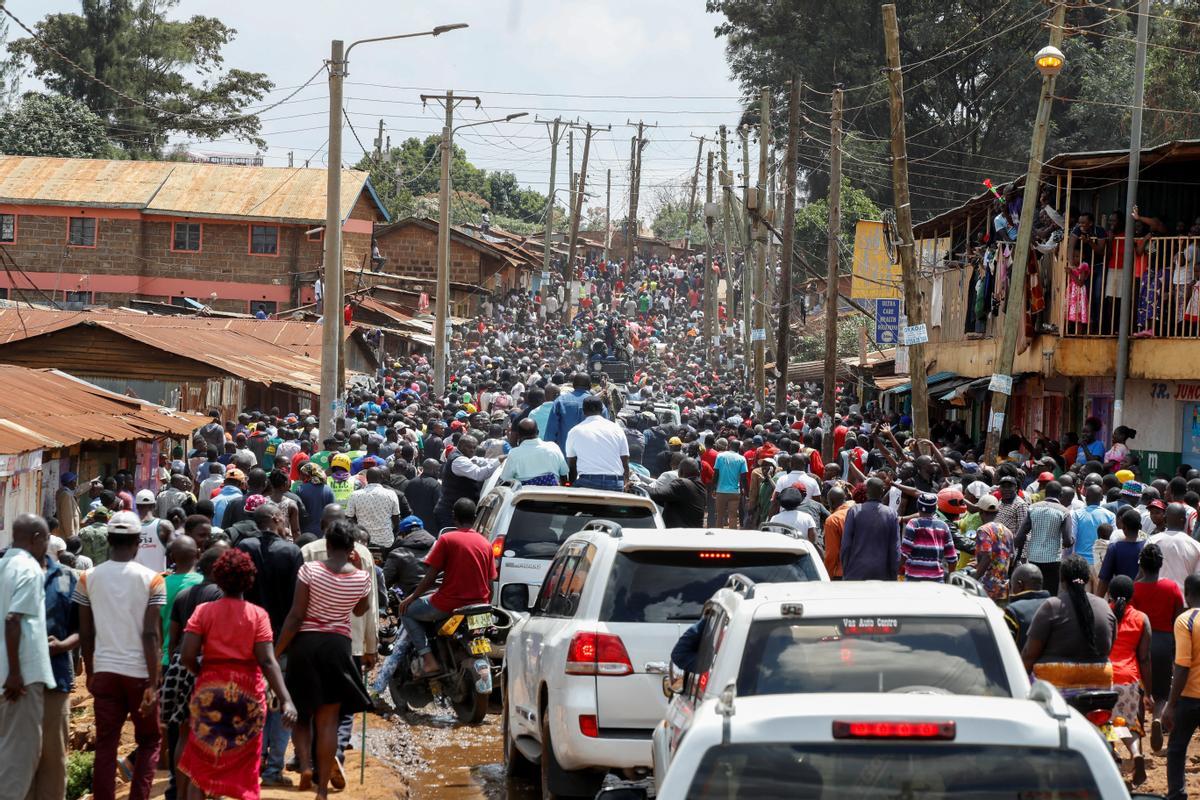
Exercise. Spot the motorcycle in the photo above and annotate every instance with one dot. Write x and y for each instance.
(463, 645)
(1097, 705)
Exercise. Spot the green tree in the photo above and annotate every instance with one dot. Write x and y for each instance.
(52, 125)
(812, 225)
(174, 69)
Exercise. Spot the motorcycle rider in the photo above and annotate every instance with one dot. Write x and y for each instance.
(463, 559)
(405, 565)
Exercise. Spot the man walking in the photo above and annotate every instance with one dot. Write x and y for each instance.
(1044, 534)
(424, 491)
(120, 631)
(1181, 716)
(597, 451)
(24, 659)
(729, 473)
(1181, 553)
(871, 539)
(376, 508)
(927, 550)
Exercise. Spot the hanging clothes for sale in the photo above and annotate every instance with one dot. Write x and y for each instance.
(935, 301)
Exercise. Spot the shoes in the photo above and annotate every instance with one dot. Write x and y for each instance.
(125, 765)
(1139, 771)
(276, 780)
(1156, 735)
(338, 779)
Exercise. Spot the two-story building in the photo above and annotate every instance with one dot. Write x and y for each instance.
(1067, 347)
(99, 232)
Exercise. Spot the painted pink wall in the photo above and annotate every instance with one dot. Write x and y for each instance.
(161, 287)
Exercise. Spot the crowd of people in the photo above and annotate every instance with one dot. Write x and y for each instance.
(236, 608)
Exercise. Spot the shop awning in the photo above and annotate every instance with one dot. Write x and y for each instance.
(962, 388)
(935, 378)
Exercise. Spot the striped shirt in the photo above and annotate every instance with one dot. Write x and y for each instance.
(331, 597)
(926, 547)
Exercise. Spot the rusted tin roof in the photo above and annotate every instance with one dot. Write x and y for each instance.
(183, 189)
(41, 408)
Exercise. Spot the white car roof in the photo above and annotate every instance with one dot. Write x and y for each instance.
(689, 539)
(867, 597)
(567, 493)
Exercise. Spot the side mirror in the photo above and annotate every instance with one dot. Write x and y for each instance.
(515, 597)
(623, 793)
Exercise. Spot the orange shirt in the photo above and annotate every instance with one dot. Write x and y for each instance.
(834, 527)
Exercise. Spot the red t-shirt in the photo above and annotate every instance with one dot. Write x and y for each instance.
(1158, 601)
(229, 629)
(839, 437)
(465, 558)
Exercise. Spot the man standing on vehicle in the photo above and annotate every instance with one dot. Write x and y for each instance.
(597, 451)
(463, 559)
(568, 411)
(534, 462)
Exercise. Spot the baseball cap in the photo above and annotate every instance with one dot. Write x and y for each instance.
(987, 503)
(1159, 504)
(56, 545)
(978, 488)
(1045, 477)
(340, 460)
(125, 523)
(234, 474)
(1125, 475)
(675, 441)
(144, 498)
(1009, 479)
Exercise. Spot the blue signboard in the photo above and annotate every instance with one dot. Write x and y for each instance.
(887, 322)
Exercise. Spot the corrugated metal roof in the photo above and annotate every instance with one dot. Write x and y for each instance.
(274, 194)
(42, 408)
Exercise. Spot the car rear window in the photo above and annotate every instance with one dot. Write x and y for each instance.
(673, 585)
(950, 655)
(869, 771)
(538, 527)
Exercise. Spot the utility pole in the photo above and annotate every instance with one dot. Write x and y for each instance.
(441, 324)
(331, 308)
(829, 395)
(710, 277)
(635, 186)
(687, 228)
(607, 217)
(291, 158)
(555, 137)
(913, 309)
(1135, 165)
(379, 142)
(1014, 309)
(571, 167)
(783, 342)
(760, 279)
(727, 259)
(577, 211)
(747, 254)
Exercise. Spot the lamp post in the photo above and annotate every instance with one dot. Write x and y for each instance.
(1049, 61)
(334, 292)
(441, 321)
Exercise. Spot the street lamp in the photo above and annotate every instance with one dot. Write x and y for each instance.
(441, 320)
(334, 299)
(1049, 61)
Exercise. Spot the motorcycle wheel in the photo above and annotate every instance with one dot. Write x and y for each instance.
(409, 696)
(469, 705)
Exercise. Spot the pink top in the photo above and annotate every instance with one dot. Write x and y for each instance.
(331, 597)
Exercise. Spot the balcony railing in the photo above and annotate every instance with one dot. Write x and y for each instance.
(1166, 292)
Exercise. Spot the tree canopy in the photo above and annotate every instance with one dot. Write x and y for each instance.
(53, 125)
(173, 68)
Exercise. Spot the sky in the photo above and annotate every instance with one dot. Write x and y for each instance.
(607, 62)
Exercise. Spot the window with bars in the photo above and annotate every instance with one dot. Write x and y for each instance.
(8, 227)
(186, 237)
(264, 240)
(81, 232)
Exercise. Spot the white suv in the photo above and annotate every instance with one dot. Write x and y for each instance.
(875, 746)
(526, 524)
(845, 637)
(583, 687)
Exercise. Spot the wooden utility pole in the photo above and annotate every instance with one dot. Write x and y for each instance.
(571, 167)
(829, 396)
(1014, 309)
(635, 179)
(913, 310)
(759, 334)
(727, 257)
(552, 127)
(379, 142)
(747, 253)
(577, 209)
(687, 226)
(783, 342)
(710, 277)
(607, 217)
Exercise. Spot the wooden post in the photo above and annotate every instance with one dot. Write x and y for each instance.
(710, 277)
(760, 277)
(829, 396)
(784, 338)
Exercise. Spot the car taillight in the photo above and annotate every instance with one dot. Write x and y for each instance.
(589, 726)
(870, 729)
(1098, 716)
(498, 547)
(593, 653)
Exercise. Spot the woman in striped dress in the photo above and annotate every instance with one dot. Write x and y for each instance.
(321, 675)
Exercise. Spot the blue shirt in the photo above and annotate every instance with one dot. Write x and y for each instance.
(1121, 558)
(729, 467)
(224, 498)
(22, 594)
(541, 415)
(1090, 452)
(62, 619)
(1086, 522)
(566, 414)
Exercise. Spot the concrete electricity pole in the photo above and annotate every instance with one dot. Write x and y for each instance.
(829, 395)
(334, 292)
(783, 341)
(759, 334)
(687, 227)
(1014, 309)
(913, 310)
(577, 209)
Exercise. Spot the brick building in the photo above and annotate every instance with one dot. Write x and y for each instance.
(92, 231)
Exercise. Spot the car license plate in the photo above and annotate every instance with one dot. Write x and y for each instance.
(480, 647)
(478, 621)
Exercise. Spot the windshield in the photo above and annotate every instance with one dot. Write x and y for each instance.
(672, 586)
(950, 655)
(539, 526)
(890, 772)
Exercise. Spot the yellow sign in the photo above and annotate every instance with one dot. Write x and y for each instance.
(875, 276)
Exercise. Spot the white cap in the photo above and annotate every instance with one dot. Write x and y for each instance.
(125, 523)
(144, 498)
(56, 545)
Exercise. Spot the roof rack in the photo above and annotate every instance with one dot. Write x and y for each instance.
(779, 527)
(741, 584)
(607, 526)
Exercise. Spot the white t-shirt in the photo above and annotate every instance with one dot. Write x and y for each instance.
(800, 520)
(598, 445)
(152, 553)
(811, 487)
(118, 593)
